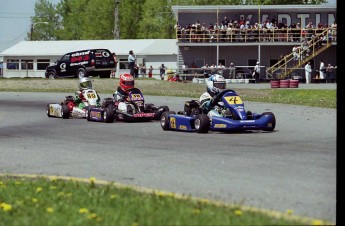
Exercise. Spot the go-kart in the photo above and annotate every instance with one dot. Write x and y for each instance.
(133, 109)
(67, 108)
(227, 115)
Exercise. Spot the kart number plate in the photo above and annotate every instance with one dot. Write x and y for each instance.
(233, 100)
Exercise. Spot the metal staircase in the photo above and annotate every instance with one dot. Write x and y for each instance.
(284, 67)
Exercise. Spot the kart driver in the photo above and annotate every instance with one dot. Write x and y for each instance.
(215, 84)
(84, 84)
(125, 85)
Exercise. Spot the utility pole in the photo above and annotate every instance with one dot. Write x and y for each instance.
(33, 28)
(116, 24)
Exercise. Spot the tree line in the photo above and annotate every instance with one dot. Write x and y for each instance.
(137, 19)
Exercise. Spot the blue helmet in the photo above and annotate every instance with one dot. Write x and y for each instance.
(215, 84)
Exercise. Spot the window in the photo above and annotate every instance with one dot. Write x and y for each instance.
(13, 64)
(124, 64)
(27, 64)
(42, 64)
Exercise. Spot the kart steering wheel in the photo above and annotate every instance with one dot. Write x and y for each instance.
(217, 97)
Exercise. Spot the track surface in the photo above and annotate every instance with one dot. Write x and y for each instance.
(293, 167)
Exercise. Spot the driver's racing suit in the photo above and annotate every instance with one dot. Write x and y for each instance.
(79, 99)
(207, 106)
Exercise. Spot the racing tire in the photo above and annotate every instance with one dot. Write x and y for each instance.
(107, 101)
(165, 122)
(249, 115)
(48, 110)
(159, 112)
(202, 123)
(272, 121)
(109, 115)
(65, 112)
(88, 114)
(81, 73)
(51, 75)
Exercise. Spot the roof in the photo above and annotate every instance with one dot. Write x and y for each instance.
(120, 47)
(245, 8)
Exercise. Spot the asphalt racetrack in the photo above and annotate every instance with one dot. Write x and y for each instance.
(292, 168)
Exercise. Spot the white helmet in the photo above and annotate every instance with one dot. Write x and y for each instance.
(85, 83)
(215, 84)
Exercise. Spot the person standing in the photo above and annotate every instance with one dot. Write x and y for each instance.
(115, 62)
(330, 71)
(143, 70)
(232, 71)
(162, 71)
(322, 70)
(308, 71)
(131, 62)
(256, 71)
(150, 71)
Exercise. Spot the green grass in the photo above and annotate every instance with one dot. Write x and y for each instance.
(56, 201)
(307, 97)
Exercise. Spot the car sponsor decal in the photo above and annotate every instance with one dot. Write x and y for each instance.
(75, 59)
(91, 96)
(219, 125)
(63, 67)
(182, 127)
(233, 100)
(80, 53)
(95, 114)
(144, 115)
(79, 63)
(172, 123)
(136, 96)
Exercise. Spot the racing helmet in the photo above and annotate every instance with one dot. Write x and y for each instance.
(215, 84)
(85, 83)
(126, 82)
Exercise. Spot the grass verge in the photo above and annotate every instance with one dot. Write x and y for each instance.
(306, 97)
(60, 201)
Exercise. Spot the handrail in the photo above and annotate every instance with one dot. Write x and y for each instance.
(315, 46)
(250, 35)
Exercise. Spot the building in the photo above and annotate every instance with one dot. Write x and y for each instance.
(30, 58)
(242, 46)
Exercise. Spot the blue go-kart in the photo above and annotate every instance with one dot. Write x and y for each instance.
(227, 115)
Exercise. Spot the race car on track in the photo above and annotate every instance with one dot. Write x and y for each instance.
(228, 115)
(68, 107)
(133, 109)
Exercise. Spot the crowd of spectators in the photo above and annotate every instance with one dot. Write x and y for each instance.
(244, 30)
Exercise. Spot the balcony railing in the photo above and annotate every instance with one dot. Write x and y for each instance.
(251, 35)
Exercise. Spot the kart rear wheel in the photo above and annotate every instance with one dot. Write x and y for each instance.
(109, 115)
(165, 123)
(202, 123)
(48, 110)
(159, 112)
(65, 112)
(272, 121)
(88, 113)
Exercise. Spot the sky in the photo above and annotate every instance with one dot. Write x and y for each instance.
(15, 20)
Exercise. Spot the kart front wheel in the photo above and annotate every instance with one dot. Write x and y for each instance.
(165, 123)
(109, 115)
(159, 112)
(272, 123)
(65, 112)
(202, 123)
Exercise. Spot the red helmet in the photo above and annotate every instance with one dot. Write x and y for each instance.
(126, 81)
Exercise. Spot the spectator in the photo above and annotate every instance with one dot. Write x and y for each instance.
(256, 72)
(162, 71)
(232, 71)
(150, 71)
(322, 70)
(330, 71)
(205, 70)
(136, 71)
(308, 71)
(143, 70)
(115, 61)
(184, 70)
(131, 62)
(177, 28)
(220, 69)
